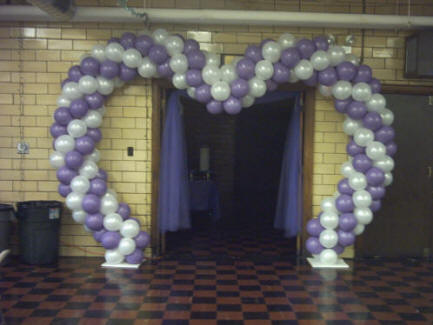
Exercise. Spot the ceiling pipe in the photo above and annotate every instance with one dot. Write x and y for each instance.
(224, 17)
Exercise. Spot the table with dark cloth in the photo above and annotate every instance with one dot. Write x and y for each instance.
(204, 196)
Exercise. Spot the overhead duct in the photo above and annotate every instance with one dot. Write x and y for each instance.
(61, 10)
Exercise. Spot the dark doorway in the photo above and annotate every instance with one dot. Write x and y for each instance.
(404, 225)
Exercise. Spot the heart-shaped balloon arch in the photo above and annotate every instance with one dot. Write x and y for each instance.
(226, 88)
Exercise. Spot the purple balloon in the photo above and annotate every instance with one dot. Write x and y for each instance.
(338, 249)
(356, 110)
(113, 40)
(203, 93)
(312, 81)
(90, 66)
(306, 47)
(110, 239)
(98, 187)
(346, 71)
(95, 221)
(97, 235)
(95, 100)
(347, 222)
(109, 69)
(74, 73)
(91, 203)
(376, 192)
(363, 75)
(79, 108)
(232, 105)
(345, 238)
(124, 210)
(321, 43)
(57, 130)
(64, 81)
(290, 57)
(164, 70)
(313, 245)
(158, 54)
(375, 176)
(353, 149)
(95, 134)
(372, 121)
(126, 73)
(214, 107)
(193, 78)
(127, 40)
(341, 105)
(314, 228)
(136, 257)
(375, 206)
(344, 187)
(254, 53)
(344, 203)
(375, 86)
(271, 85)
(102, 174)
(385, 134)
(391, 149)
(245, 68)
(327, 77)
(64, 190)
(362, 163)
(190, 45)
(196, 59)
(65, 175)
(84, 145)
(143, 44)
(142, 239)
(74, 159)
(239, 88)
(281, 73)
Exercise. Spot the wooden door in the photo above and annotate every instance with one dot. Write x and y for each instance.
(404, 225)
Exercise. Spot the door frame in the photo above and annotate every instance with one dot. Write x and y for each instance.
(159, 90)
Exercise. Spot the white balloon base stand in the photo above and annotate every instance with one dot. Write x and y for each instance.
(317, 264)
(121, 265)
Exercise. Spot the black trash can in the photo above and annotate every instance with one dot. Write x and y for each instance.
(7, 212)
(39, 231)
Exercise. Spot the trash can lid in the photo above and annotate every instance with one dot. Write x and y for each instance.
(39, 204)
(6, 207)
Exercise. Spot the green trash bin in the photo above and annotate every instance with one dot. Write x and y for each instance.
(39, 231)
(7, 212)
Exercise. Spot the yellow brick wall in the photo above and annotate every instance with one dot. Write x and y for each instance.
(50, 49)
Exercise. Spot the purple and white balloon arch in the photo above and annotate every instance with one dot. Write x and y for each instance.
(228, 88)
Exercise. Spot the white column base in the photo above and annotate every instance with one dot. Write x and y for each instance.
(121, 265)
(316, 264)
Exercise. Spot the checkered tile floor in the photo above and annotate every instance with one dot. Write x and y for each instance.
(217, 292)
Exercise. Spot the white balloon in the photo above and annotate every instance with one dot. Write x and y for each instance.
(264, 69)
(220, 90)
(113, 221)
(257, 87)
(191, 92)
(247, 101)
(113, 256)
(111, 193)
(77, 128)
(329, 220)
(174, 45)
(328, 256)
(211, 74)
(62, 101)
(359, 229)
(387, 116)
(64, 143)
(95, 156)
(271, 51)
(357, 181)
(304, 70)
(388, 179)
(375, 150)
(328, 238)
(386, 164)
(98, 52)
(147, 68)
(132, 58)
(105, 86)
(130, 228)
(73, 201)
(361, 92)
(336, 55)
(363, 215)
(71, 91)
(178, 63)
(93, 119)
(286, 40)
(235, 61)
(328, 205)
(325, 90)
(87, 85)
(363, 137)
(159, 35)
(342, 89)
(126, 246)
(350, 126)
(376, 103)
(114, 52)
(79, 216)
(347, 169)
(213, 58)
(109, 205)
(57, 159)
(118, 82)
(361, 199)
(102, 110)
(292, 77)
(80, 184)
(352, 58)
(228, 73)
(320, 60)
(179, 81)
(88, 169)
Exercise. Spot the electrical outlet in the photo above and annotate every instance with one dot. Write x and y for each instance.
(130, 151)
(22, 148)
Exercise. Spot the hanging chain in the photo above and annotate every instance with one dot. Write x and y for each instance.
(21, 147)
